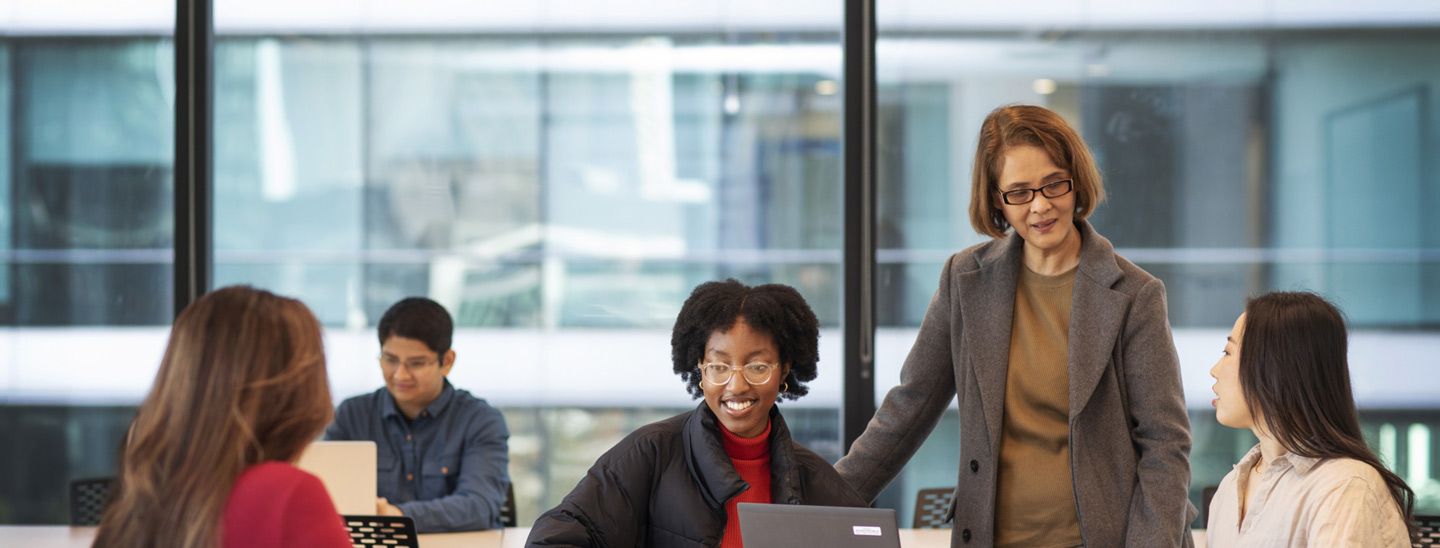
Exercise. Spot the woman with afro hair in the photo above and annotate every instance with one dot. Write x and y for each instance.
(676, 482)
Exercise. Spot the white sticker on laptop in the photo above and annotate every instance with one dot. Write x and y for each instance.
(866, 531)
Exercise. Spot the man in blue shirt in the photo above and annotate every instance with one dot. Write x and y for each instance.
(442, 454)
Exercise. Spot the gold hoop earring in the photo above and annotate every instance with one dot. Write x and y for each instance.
(784, 386)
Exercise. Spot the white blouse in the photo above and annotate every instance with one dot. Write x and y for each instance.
(1305, 502)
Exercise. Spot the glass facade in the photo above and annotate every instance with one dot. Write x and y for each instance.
(560, 197)
(561, 180)
(86, 239)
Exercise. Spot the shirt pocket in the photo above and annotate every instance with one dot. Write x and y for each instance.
(439, 476)
(386, 471)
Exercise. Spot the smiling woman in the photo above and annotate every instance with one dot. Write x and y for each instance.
(741, 348)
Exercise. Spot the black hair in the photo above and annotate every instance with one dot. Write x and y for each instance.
(1296, 380)
(421, 319)
(771, 309)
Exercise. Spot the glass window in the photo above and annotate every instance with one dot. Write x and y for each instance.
(86, 240)
(559, 192)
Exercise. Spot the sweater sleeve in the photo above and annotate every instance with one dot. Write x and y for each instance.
(309, 518)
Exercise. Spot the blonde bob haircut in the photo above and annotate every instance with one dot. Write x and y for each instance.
(1028, 125)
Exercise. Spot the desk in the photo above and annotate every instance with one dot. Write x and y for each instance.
(60, 536)
(940, 538)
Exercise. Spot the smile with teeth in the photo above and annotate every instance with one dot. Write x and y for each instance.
(738, 405)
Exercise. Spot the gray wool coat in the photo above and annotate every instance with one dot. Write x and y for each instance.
(1129, 433)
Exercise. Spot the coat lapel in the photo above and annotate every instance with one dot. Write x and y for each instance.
(1097, 316)
(987, 302)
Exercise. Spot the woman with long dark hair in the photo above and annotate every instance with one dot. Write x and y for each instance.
(240, 392)
(1311, 480)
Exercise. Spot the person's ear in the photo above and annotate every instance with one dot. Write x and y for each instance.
(447, 361)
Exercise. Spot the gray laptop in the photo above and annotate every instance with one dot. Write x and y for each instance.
(795, 526)
(347, 468)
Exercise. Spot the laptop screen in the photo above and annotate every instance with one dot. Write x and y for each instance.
(347, 468)
(795, 526)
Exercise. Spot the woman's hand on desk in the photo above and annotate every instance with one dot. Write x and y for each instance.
(384, 508)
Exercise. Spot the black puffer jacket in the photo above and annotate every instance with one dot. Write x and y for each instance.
(666, 484)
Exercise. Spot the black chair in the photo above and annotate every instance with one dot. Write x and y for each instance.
(382, 531)
(88, 498)
(1429, 531)
(932, 508)
(507, 512)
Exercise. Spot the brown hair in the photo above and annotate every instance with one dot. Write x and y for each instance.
(1295, 377)
(1027, 125)
(242, 382)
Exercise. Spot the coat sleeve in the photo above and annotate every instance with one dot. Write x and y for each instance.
(1160, 509)
(912, 408)
(479, 492)
(608, 508)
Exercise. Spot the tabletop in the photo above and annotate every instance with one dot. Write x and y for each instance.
(61, 536)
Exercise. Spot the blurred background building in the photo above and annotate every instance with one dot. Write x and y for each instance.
(560, 174)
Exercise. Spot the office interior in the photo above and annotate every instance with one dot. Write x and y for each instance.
(560, 174)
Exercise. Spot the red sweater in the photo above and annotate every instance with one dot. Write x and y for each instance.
(752, 460)
(276, 504)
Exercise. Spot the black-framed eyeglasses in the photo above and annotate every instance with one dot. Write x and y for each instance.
(1027, 195)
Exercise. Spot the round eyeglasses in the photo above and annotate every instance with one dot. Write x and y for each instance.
(754, 373)
(1027, 195)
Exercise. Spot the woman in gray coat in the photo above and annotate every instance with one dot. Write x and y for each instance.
(1073, 428)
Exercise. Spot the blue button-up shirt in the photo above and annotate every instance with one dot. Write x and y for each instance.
(447, 469)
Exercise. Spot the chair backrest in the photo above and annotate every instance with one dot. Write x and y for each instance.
(1429, 530)
(507, 512)
(932, 508)
(382, 531)
(88, 498)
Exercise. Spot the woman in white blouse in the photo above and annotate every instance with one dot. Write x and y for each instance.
(1311, 481)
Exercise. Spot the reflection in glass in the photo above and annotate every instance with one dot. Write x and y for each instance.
(561, 196)
(86, 238)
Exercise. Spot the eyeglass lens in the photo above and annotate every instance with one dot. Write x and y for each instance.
(719, 373)
(1027, 195)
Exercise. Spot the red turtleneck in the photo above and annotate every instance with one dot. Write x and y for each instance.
(752, 460)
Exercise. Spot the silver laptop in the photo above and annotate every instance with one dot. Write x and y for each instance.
(347, 468)
(795, 526)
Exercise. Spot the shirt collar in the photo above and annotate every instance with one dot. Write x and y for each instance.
(1290, 460)
(1301, 464)
(388, 409)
